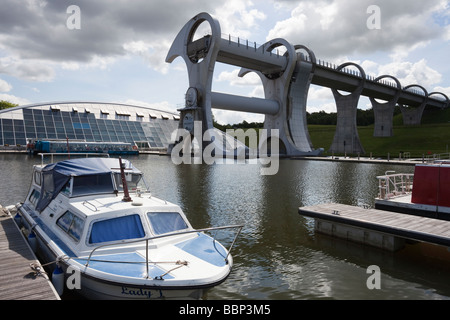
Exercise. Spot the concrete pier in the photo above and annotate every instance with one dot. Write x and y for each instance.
(378, 228)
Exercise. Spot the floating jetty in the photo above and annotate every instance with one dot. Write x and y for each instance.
(378, 228)
(21, 275)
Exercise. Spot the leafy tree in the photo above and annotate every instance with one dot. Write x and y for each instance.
(6, 104)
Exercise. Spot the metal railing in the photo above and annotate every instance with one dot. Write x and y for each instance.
(437, 157)
(394, 184)
(146, 240)
(86, 154)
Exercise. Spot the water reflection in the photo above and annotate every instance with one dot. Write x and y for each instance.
(278, 255)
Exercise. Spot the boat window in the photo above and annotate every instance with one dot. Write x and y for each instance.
(164, 222)
(71, 224)
(121, 228)
(133, 180)
(34, 197)
(92, 184)
(66, 189)
(37, 178)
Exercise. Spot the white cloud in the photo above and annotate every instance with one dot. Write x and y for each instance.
(230, 117)
(70, 65)
(320, 93)
(257, 92)
(163, 105)
(5, 86)
(409, 73)
(36, 31)
(238, 18)
(320, 99)
(333, 28)
(444, 90)
(370, 68)
(327, 107)
(232, 77)
(13, 99)
(33, 70)
(136, 47)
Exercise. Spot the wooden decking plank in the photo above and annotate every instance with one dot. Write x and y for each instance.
(17, 280)
(439, 228)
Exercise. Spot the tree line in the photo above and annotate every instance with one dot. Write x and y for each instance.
(363, 118)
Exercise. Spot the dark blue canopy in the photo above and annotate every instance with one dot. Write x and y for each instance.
(56, 175)
(83, 166)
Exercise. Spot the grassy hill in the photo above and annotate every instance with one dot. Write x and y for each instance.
(431, 137)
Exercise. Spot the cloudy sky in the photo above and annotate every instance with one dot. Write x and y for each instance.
(118, 52)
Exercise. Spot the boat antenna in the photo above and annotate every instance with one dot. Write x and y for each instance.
(126, 195)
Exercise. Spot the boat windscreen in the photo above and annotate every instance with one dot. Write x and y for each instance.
(93, 184)
(134, 180)
(164, 222)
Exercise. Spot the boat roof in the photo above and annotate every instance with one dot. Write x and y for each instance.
(56, 175)
(88, 166)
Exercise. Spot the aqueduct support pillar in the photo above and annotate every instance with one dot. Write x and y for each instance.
(413, 115)
(346, 138)
(384, 112)
(297, 101)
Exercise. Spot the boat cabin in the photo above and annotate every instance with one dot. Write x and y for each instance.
(431, 185)
(80, 202)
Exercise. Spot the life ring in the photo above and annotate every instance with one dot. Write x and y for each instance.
(135, 147)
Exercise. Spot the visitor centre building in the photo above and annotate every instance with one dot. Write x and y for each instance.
(146, 128)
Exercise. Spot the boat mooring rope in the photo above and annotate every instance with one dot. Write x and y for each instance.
(179, 262)
(39, 268)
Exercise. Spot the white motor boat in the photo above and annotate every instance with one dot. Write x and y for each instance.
(110, 243)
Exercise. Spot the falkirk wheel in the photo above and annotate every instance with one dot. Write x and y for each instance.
(286, 79)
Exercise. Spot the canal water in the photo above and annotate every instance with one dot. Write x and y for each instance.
(278, 255)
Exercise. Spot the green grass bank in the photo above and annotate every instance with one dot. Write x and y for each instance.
(431, 137)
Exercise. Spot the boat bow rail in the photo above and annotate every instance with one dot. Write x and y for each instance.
(178, 262)
(394, 184)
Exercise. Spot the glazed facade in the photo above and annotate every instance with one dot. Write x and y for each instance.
(87, 121)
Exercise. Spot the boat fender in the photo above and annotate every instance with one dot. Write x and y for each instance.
(32, 241)
(137, 202)
(58, 280)
(12, 209)
(18, 220)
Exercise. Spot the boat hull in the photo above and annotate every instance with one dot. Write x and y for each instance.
(427, 211)
(97, 289)
(77, 280)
